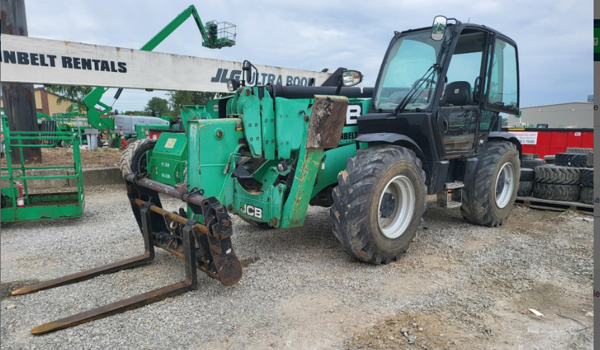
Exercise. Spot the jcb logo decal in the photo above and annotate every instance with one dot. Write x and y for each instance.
(251, 211)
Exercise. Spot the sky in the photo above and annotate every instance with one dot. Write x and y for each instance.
(554, 38)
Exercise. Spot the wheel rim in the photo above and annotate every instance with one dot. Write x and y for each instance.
(142, 165)
(396, 207)
(505, 184)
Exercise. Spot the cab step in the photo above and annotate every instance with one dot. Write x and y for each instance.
(451, 195)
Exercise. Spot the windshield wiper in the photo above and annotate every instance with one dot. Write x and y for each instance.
(415, 88)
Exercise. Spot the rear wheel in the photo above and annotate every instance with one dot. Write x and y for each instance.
(134, 159)
(489, 196)
(378, 203)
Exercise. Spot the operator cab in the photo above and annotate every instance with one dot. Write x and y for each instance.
(443, 88)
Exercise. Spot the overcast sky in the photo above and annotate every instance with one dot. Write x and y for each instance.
(554, 37)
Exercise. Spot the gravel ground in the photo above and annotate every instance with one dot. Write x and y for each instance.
(459, 287)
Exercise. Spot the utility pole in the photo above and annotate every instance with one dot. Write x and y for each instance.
(19, 99)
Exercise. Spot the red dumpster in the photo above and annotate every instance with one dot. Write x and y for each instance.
(551, 141)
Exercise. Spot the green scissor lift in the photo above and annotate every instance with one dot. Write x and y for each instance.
(74, 122)
(44, 205)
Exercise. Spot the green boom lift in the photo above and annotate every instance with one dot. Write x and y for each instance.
(370, 155)
(214, 36)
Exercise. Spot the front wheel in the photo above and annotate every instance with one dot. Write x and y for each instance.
(134, 158)
(488, 198)
(378, 203)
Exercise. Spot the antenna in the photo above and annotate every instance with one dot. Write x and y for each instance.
(469, 20)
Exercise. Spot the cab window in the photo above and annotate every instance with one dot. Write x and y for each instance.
(464, 71)
(504, 87)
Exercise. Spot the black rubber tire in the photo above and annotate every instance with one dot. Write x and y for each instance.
(525, 188)
(133, 159)
(577, 160)
(549, 159)
(558, 175)
(579, 150)
(479, 194)
(568, 193)
(587, 177)
(527, 174)
(590, 160)
(130, 140)
(532, 163)
(527, 156)
(355, 209)
(587, 195)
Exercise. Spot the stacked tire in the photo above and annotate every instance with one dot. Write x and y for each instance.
(526, 182)
(570, 178)
(587, 186)
(529, 163)
(559, 183)
(583, 158)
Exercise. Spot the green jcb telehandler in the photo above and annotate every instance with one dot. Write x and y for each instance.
(431, 127)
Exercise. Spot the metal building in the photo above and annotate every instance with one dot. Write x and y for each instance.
(561, 115)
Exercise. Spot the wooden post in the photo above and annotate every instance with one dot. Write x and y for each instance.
(19, 99)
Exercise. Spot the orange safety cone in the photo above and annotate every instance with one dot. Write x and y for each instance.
(123, 142)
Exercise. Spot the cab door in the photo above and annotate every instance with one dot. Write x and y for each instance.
(460, 108)
(501, 87)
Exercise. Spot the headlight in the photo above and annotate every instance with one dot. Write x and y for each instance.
(232, 85)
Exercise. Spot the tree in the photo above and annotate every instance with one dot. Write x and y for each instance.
(70, 93)
(158, 105)
(180, 98)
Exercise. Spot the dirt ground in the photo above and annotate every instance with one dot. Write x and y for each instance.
(64, 157)
(459, 286)
(492, 309)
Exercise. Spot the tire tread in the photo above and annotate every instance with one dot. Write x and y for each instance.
(476, 198)
(352, 194)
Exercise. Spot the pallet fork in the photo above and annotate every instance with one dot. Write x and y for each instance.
(204, 246)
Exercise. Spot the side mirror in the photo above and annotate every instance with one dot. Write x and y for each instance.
(351, 78)
(438, 29)
(247, 68)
